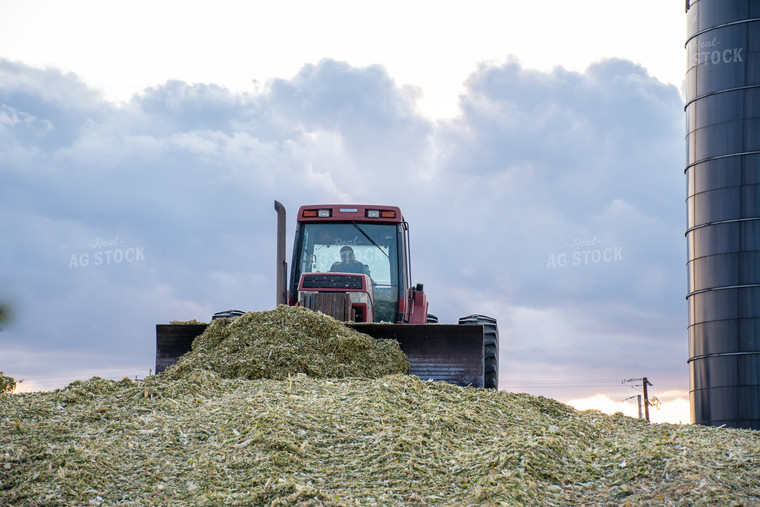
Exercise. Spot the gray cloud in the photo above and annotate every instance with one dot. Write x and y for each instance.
(43, 107)
(568, 163)
(572, 186)
(539, 171)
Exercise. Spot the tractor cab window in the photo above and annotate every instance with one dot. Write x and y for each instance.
(353, 247)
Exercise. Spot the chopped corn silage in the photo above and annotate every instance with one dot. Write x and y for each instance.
(286, 341)
(391, 440)
(194, 437)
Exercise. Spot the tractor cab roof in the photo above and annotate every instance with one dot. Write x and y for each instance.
(349, 213)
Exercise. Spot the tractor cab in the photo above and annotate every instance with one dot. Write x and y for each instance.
(361, 251)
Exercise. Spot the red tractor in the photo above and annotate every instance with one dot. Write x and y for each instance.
(352, 262)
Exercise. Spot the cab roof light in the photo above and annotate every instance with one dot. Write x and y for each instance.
(381, 213)
(317, 213)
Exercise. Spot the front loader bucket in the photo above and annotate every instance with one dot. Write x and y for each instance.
(446, 352)
(442, 352)
(173, 340)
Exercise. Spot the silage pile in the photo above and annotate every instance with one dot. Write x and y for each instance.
(395, 440)
(194, 436)
(286, 341)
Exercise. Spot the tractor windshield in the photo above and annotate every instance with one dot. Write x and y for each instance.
(354, 247)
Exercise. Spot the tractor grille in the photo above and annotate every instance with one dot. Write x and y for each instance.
(332, 282)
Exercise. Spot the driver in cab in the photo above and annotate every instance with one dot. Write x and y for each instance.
(348, 263)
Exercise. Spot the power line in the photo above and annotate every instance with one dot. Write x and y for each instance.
(565, 383)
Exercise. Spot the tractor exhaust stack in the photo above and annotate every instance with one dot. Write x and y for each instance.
(282, 264)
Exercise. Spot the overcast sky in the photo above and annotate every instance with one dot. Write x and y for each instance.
(537, 154)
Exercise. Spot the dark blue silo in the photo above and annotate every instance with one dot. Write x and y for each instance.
(723, 208)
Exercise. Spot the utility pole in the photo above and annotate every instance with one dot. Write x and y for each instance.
(638, 399)
(646, 398)
(645, 382)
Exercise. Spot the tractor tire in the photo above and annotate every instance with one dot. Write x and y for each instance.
(490, 348)
(228, 314)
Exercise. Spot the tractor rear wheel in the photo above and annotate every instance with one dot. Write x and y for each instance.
(490, 347)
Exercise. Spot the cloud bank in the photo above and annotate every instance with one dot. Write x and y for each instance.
(553, 202)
